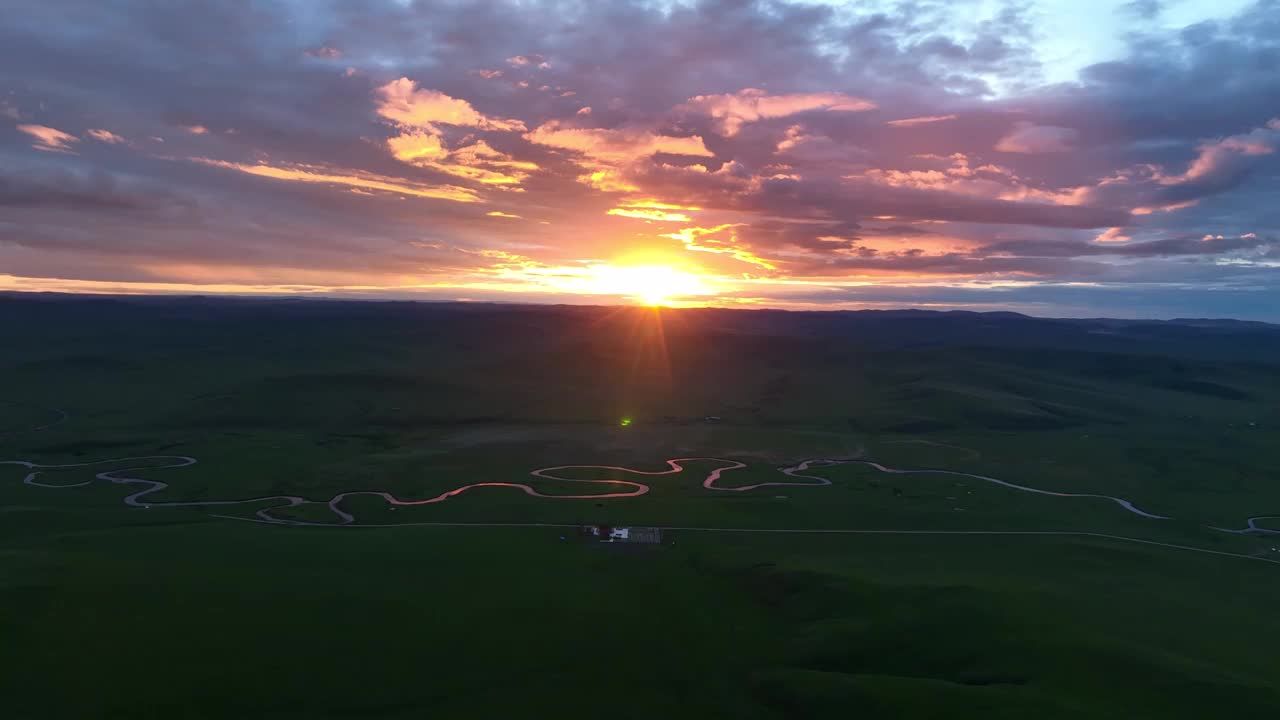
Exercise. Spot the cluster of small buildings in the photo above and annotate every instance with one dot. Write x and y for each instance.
(610, 534)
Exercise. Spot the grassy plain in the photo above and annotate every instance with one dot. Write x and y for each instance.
(118, 612)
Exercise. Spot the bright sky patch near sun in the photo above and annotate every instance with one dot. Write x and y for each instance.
(1054, 157)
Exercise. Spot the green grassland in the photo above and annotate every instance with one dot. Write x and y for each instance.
(111, 611)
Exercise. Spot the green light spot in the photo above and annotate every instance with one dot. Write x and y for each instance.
(624, 422)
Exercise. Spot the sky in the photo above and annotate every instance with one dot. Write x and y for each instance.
(1054, 157)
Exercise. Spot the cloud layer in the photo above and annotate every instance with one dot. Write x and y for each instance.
(795, 154)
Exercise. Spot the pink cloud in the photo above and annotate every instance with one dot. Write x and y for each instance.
(528, 60)
(812, 151)
(1215, 156)
(106, 136)
(749, 105)
(49, 139)
(1029, 138)
(1219, 165)
(1114, 234)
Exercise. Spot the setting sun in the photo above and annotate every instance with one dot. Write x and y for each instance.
(648, 284)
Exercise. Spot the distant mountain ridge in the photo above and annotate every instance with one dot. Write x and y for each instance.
(905, 313)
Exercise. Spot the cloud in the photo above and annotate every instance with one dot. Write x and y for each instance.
(749, 105)
(1219, 165)
(49, 139)
(324, 52)
(1114, 234)
(528, 60)
(1259, 142)
(1174, 246)
(610, 156)
(922, 120)
(615, 145)
(972, 168)
(651, 214)
(105, 136)
(1029, 138)
(350, 179)
(478, 162)
(420, 113)
(89, 192)
(1145, 9)
(500, 214)
(403, 102)
(418, 146)
(720, 240)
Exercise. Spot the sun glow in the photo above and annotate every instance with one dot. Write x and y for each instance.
(648, 284)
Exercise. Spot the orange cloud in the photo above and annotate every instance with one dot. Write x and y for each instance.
(618, 145)
(749, 105)
(481, 154)
(649, 214)
(657, 205)
(702, 239)
(607, 180)
(922, 120)
(646, 209)
(419, 112)
(403, 102)
(606, 152)
(49, 139)
(478, 162)
(350, 179)
(417, 146)
(196, 129)
(500, 214)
